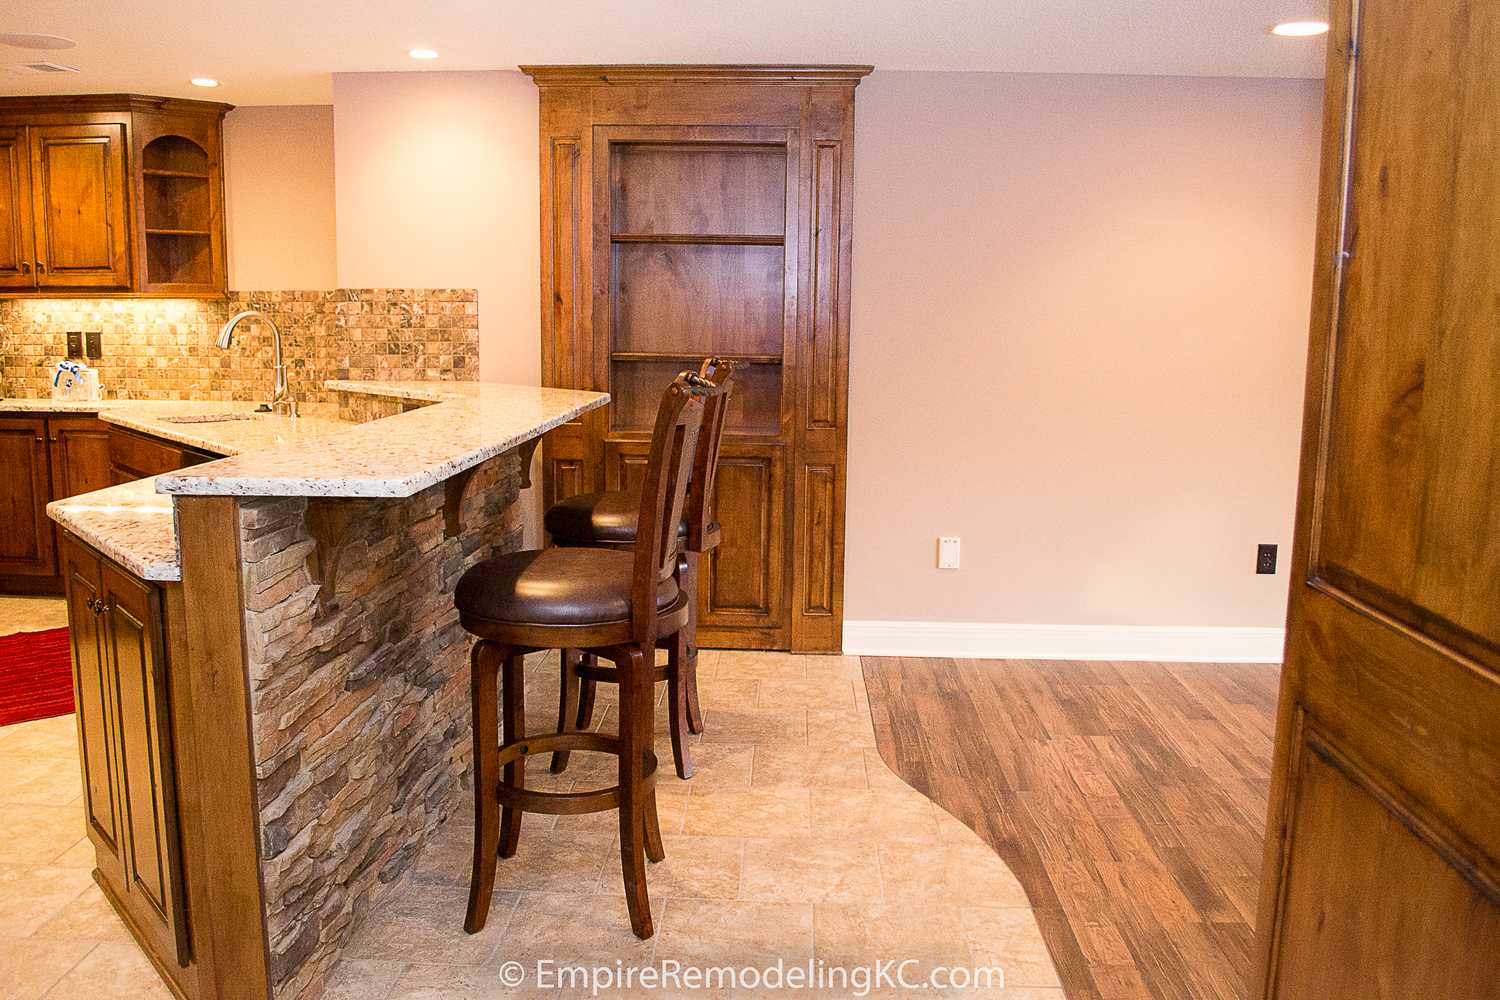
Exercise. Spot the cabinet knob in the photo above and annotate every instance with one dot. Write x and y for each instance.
(25, 267)
(41, 268)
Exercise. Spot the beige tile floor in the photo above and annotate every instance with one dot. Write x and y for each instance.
(793, 842)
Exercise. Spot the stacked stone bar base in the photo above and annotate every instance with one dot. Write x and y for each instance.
(359, 715)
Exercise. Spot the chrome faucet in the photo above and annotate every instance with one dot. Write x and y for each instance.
(281, 395)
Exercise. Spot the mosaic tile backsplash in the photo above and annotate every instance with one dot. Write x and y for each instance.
(164, 348)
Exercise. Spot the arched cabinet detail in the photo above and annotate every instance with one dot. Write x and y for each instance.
(142, 179)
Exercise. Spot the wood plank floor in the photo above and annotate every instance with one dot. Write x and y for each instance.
(1128, 798)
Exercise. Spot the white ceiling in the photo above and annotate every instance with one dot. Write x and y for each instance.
(283, 51)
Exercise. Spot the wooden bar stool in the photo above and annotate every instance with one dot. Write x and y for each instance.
(609, 603)
(609, 520)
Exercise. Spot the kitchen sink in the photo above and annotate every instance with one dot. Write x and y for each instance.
(207, 418)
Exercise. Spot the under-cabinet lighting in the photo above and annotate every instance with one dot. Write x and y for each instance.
(1300, 29)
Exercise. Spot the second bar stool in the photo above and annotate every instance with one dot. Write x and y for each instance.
(608, 520)
(610, 603)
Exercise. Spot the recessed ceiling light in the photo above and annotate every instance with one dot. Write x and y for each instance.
(24, 40)
(204, 81)
(1300, 29)
(422, 53)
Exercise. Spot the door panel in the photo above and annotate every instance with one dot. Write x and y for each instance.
(26, 540)
(94, 698)
(742, 589)
(79, 448)
(16, 248)
(148, 781)
(79, 194)
(1383, 841)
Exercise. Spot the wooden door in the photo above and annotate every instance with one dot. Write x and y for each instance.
(26, 541)
(17, 252)
(689, 211)
(79, 206)
(134, 641)
(1383, 846)
(94, 698)
(79, 448)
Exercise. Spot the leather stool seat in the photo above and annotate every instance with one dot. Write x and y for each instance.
(598, 519)
(556, 586)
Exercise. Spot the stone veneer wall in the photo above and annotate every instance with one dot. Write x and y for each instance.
(360, 719)
(164, 348)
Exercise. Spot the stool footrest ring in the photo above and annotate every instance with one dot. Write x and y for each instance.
(566, 803)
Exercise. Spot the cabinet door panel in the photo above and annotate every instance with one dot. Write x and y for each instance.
(148, 780)
(743, 584)
(78, 193)
(79, 448)
(94, 697)
(26, 542)
(16, 248)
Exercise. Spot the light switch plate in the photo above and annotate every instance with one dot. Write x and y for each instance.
(947, 552)
(75, 344)
(93, 345)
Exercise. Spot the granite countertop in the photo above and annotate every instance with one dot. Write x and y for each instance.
(313, 455)
(395, 456)
(132, 524)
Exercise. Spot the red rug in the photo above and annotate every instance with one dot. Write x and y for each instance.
(36, 676)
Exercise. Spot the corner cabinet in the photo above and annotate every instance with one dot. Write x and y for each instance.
(111, 195)
(697, 210)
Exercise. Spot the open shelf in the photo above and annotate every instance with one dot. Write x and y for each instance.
(184, 174)
(747, 359)
(704, 239)
(178, 212)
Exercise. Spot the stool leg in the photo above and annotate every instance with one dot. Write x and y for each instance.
(690, 661)
(484, 667)
(677, 704)
(567, 705)
(586, 688)
(637, 691)
(514, 717)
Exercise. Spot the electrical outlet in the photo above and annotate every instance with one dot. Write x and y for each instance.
(947, 552)
(93, 345)
(75, 344)
(1265, 559)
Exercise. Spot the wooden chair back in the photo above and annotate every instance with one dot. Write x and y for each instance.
(703, 534)
(674, 440)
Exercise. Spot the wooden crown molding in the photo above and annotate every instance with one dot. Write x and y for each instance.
(689, 73)
(111, 102)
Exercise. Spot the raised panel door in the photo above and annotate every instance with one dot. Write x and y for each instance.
(148, 792)
(17, 252)
(94, 700)
(79, 196)
(26, 540)
(1382, 875)
(79, 448)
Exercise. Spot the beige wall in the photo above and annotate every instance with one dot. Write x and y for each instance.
(1079, 325)
(437, 187)
(278, 188)
(1080, 312)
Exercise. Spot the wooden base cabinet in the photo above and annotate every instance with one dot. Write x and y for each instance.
(697, 210)
(46, 458)
(127, 748)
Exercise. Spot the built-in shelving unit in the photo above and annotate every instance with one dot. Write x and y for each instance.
(179, 212)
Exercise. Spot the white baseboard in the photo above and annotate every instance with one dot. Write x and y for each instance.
(984, 641)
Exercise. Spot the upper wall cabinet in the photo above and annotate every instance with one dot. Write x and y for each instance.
(111, 195)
